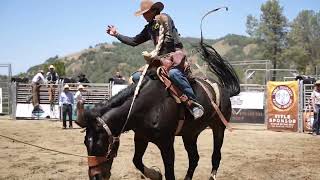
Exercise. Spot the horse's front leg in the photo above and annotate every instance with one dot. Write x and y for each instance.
(140, 145)
(167, 153)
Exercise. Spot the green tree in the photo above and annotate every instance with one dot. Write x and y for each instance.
(270, 31)
(304, 40)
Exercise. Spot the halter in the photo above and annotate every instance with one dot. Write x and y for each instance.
(95, 162)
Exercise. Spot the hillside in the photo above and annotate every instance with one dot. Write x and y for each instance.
(103, 60)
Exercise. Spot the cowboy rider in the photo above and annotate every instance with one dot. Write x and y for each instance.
(161, 27)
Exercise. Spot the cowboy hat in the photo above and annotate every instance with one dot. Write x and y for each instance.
(66, 86)
(80, 87)
(146, 5)
(51, 67)
(317, 82)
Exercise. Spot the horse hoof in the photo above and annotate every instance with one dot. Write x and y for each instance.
(152, 174)
(213, 177)
(187, 178)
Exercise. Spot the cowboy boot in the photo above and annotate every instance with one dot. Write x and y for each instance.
(196, 110)
(194, 107)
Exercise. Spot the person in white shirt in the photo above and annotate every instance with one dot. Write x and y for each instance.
(78, 96)
(315, 99)
(37, 80)
(79, 100)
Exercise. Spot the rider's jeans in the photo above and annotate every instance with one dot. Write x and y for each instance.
(178, 78)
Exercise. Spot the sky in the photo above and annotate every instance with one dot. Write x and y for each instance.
(34, 30)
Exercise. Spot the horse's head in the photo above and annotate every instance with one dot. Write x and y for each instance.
(100, 143)
(106, 121)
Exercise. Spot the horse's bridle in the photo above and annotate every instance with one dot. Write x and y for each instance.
(95, 162)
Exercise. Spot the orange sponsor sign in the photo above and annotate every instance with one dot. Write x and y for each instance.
(282, 103)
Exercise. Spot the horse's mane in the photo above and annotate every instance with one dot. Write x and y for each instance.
(115, 101)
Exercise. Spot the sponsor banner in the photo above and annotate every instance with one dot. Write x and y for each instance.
(282, 102)
(26, 111)
(117, 88)
(308, 119)
(0, 100)
(248, 116)
(248, 100)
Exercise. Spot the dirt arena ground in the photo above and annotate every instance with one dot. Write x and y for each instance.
(250, 152)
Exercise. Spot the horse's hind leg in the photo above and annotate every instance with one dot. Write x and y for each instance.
(140, 145)
(190, 144)
(218, 135)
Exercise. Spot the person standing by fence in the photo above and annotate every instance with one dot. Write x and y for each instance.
(52, 78)
(79, 100)
(66, 101)
(37, 80)
(315, 99)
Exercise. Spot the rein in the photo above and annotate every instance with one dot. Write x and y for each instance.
(40, 147)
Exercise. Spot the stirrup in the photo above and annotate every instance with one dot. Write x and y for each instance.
(196, 110)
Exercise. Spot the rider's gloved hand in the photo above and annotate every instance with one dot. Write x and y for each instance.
(147, 56)
(112, 30)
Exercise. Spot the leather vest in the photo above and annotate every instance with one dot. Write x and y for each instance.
(171, 40)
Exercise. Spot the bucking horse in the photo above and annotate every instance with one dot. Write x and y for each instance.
(156, 117)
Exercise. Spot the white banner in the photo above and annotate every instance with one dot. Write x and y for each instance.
(117, 88)
(25, 111)
(0, 100)
(248, 100)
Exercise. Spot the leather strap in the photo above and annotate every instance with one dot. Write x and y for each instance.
(105, 126)
(96, 160)
(176, 93)
(215, 106)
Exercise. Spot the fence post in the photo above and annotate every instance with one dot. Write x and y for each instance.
(13, 97)
(301, 105)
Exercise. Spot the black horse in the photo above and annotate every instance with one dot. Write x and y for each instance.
(154, 118)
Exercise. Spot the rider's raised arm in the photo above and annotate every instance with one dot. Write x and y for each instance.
(142, 37)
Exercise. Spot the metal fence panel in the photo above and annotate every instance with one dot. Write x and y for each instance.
(6, 100)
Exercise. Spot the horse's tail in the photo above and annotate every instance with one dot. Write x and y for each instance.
(220, 67)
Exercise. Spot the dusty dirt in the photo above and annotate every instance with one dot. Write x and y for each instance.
(250, 152)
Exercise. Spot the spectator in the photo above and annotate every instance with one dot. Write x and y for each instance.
(79, 100)
(66, 101)
(52, 75)
(37, 80)
(118, 78)
(315, 99)
(52, 78)
(82, 78)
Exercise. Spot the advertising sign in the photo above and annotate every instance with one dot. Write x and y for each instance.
(248, 107)
(248, 100)
(26, 111)
(282, 102)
